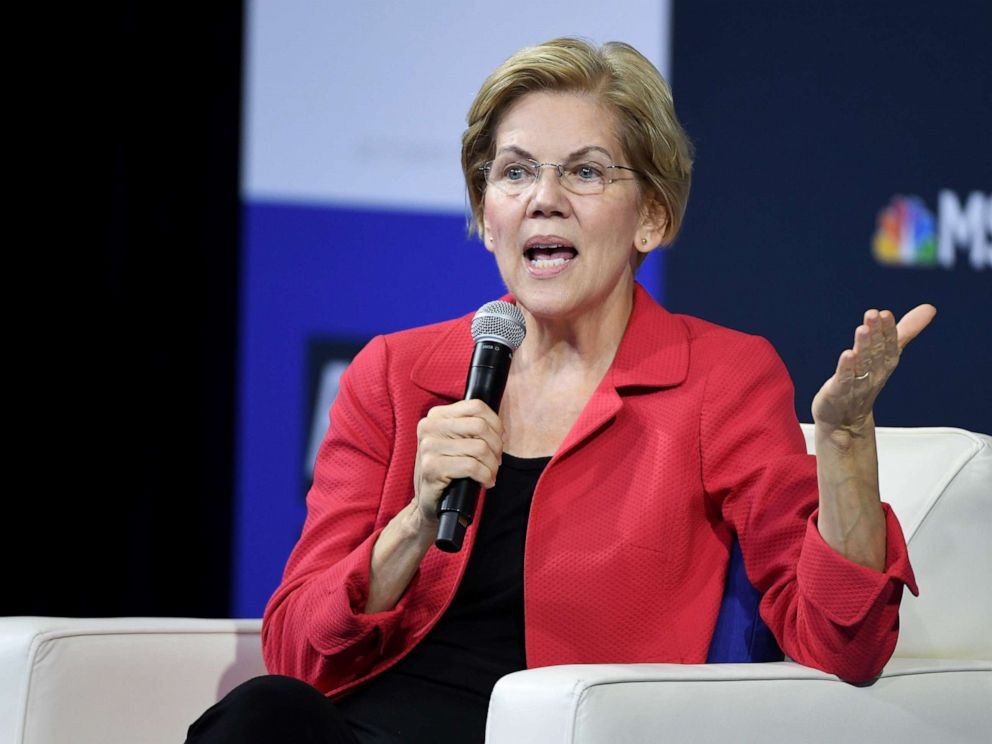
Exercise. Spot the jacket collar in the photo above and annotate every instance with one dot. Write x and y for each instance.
(654, 352)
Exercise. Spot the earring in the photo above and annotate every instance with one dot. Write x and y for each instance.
(644, 241)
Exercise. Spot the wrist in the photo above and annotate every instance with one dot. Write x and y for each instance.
(416, 525)
(842, 438)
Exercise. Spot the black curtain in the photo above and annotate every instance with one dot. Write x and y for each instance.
(123, 405)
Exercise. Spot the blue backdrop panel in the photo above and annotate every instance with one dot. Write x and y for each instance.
(320, 281)
(843, 163)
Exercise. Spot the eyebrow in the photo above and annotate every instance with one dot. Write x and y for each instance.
(573, 156)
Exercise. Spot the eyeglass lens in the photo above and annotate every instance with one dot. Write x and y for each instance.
(513, 175)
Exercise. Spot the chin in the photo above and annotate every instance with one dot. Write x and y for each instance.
(547, 302)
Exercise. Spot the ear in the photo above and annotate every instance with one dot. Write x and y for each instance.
(653, 226)
(484, 234)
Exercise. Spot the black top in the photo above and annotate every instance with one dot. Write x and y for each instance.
(440, 690)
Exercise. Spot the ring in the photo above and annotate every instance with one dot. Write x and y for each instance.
(861, 377)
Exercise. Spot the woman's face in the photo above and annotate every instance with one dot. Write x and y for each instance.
(562, 254)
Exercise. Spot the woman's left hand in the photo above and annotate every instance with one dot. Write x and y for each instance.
(844, 403)
(851, 519)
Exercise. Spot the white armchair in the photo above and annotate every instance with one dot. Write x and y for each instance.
(135, 680)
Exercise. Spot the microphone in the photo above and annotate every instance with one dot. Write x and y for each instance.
(498, 330)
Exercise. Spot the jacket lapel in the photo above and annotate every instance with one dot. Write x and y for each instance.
(654, 353)
(443, 367)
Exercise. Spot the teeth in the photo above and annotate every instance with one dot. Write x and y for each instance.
(547, 263)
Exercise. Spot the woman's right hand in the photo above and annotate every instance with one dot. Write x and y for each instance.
(461, 440)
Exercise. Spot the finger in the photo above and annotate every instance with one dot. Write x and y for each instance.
(890, 353)
(876, 341)
(845, 372)
(464, 408)
(467, 409)
(478, 449)
(466, 427)
(458, 426)
(472, 458)
(861, 357)
(466, 458)
(913, 323)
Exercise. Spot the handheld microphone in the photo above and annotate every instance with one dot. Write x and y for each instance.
(498, 330)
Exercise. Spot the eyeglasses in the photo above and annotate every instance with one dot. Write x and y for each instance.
(513, 175)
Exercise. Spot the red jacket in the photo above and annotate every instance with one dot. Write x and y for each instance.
(690, 438)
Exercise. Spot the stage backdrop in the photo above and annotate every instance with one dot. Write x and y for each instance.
(355, 212)
(843, 163)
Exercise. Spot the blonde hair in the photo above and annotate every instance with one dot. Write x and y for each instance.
(625, 81)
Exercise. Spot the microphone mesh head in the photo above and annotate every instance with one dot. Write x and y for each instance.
(501, 322)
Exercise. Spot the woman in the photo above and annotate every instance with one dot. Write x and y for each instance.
(631, 447)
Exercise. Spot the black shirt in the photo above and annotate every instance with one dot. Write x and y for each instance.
(441, 689)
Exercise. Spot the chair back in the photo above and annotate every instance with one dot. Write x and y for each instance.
(939, 482)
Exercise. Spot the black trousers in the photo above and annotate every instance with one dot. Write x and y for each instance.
(269, 710)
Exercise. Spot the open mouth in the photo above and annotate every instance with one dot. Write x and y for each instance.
(549, 255)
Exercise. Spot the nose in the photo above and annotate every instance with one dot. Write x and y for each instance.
(548, 198)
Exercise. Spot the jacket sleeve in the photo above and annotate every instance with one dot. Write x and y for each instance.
(825, 611)
(313, 627)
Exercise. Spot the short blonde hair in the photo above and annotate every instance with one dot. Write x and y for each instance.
(624, 80)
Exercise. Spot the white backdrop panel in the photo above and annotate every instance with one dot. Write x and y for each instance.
(364, 103)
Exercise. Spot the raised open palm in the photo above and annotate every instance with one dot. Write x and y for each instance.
(845, 401)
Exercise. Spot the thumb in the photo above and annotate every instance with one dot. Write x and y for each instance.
(913, 323)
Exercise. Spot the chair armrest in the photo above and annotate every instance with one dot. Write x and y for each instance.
(117, 680)
(915, 700)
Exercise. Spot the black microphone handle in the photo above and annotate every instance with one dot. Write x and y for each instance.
(486, 381)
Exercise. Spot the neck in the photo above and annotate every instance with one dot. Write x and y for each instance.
(586, 341)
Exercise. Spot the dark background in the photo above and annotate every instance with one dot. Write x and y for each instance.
(808, 118)
(124, 406)
(124, 409)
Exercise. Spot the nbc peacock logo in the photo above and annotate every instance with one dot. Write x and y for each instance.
(908, 235)
(905, 234)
